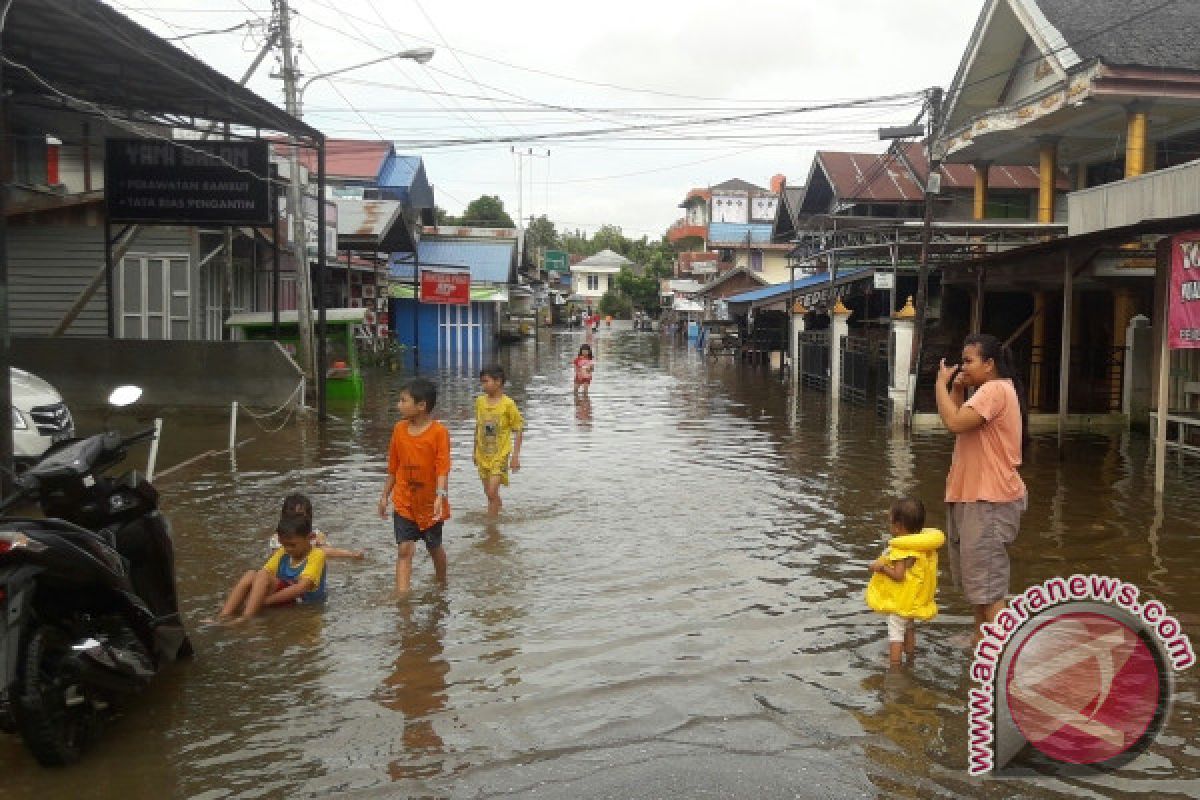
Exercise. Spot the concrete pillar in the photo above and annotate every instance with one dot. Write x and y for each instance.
(839, 327)
(1124, 308)
(1047, 177)
(1037, 354)
(798, 327)
(902, 333)
(1135, 141)
(1135, 394)
(981, 189)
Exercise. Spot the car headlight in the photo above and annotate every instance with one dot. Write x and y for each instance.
(18, 422)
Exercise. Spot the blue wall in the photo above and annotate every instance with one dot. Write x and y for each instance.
(466, 332)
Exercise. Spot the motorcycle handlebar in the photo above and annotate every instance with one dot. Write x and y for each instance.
(141, 436)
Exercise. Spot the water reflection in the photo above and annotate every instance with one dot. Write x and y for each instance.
(416, 687)
(680, 554)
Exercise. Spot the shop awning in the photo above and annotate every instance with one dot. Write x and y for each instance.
(83, 54)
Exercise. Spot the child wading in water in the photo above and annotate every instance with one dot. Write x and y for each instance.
(499, 429)
(904, 578)
(418, 472)
(585, 365)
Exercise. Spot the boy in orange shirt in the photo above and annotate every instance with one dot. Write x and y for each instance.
(418, 471)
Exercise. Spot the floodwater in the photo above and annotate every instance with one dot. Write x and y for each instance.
(670, 605)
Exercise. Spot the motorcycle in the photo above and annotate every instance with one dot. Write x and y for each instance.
(88, 607)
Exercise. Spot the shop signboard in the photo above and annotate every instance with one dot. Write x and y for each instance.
(187, 182)
(447, 287)
(1183, 328)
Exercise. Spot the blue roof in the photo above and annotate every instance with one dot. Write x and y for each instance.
(777, 289)
(489, 262)
(403, 178)
(736, 232)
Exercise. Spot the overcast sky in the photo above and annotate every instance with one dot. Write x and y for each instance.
(600, 66)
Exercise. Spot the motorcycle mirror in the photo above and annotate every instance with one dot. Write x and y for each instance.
(124, 395)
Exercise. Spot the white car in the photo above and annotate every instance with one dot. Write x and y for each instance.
(39, 417)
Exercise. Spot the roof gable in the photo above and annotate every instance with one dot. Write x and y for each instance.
(603, 259)
(352, 159)
(403, 178)
(738, 185)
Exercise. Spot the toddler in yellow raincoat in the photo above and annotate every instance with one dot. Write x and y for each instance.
(904, 578)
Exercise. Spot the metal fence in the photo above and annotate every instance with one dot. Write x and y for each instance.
(814, 359)
(866, 371)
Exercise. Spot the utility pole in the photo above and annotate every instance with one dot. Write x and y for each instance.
(933, 184)
(289, 73)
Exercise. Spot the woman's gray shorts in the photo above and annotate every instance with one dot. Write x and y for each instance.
(977, 538)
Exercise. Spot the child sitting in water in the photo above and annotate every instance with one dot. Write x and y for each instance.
(295, 573)
(300, 504)
(904, 578)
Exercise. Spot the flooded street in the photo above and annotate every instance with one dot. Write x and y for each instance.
(669, 606)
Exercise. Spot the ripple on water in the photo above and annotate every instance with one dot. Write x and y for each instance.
(675, 587)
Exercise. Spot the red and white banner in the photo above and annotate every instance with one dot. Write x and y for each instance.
(444, 286)
(1183, 307)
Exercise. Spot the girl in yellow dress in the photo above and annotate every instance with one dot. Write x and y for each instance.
(498, 432)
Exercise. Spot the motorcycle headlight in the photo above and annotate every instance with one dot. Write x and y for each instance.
(18, 422)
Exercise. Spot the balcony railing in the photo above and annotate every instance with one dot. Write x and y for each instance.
(680, 231)
(1166, 193)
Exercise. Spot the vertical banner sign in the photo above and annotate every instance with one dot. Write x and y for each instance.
(187, 181)
(446, 287)
(1183, 306)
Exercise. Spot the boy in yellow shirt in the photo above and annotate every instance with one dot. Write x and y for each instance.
(499, 429)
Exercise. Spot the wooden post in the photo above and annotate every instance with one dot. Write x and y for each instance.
(1037, 353)
(1162, 314)
(1064, 369)
(1047, 177)
(981, 190)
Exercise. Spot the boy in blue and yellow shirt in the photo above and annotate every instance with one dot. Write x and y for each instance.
(295, 573)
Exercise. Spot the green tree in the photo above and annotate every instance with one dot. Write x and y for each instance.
(642, 291)
(443, 217)
(541, 233)
(487, 211)
(612, 303)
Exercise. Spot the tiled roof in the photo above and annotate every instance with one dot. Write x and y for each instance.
(605, 259)
(739, 185)
(1147, 35)
(489, 262)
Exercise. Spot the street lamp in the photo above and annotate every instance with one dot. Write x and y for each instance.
(295, 97)
(421, 55)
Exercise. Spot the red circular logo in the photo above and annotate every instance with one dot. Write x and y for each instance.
(1083, 688)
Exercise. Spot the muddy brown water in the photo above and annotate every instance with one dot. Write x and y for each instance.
(670, 605)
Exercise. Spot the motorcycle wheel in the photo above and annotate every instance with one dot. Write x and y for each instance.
(54, 731)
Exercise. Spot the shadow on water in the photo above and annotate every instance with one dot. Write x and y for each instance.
(671, 603)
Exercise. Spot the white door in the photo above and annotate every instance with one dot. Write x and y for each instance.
(154, 295)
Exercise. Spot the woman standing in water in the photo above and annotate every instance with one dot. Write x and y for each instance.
(985, 495)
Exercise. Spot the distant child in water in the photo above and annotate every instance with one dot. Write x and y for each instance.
(585, 365)
(295, 573)
(499, 430)
(418, 470)
(300, 504)
(904, 578)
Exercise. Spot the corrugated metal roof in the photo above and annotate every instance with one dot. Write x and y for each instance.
(860, 176)
(777, 289)
(403, 178)
(489, 262)
(358, 159)
(736, 232)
